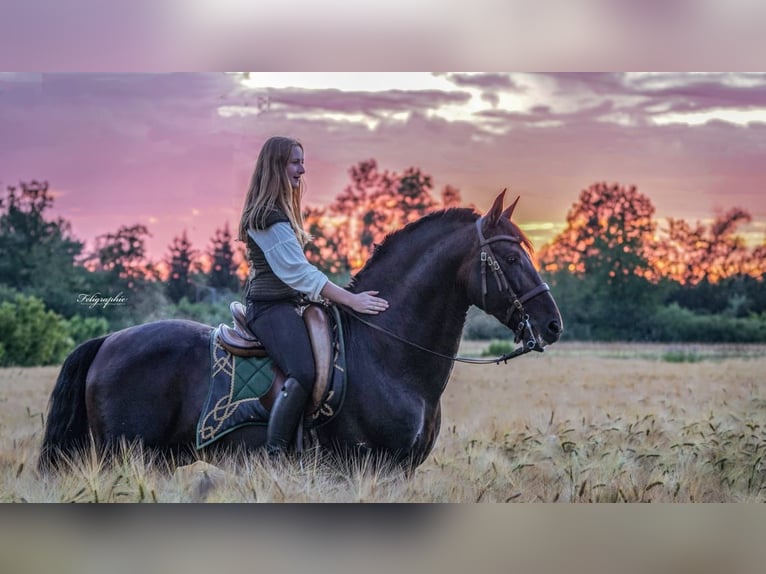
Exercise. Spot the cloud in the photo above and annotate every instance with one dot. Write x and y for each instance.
(126, 146)
(372, 103)
(484, 80)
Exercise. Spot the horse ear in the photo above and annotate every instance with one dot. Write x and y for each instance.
(509, 211)
(496, 211)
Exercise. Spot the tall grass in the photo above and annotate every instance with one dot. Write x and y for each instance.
(571, 426)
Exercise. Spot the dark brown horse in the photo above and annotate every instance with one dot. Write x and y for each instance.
(149, 382)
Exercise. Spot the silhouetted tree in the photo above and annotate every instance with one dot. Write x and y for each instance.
(412, 197)
(326, 249)
(599, 265)
(373, 205)
(691, 254)
(39, 252)
(182, 264)
(357, 212)
(122, 255)
(223, 269)
(451, 197)
(609, 233)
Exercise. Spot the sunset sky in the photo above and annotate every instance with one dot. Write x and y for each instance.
(175, 151)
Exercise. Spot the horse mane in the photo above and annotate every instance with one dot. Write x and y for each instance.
(453, 214)
(393, 239)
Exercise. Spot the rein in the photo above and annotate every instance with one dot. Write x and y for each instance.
(523, 329)
(530, 344)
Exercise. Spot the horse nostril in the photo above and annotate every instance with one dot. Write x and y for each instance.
(554, 327)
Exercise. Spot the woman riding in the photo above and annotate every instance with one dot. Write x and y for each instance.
(281, 279)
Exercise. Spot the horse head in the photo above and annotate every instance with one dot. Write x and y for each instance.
(503, 281)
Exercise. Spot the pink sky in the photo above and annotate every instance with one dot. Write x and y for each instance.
(175, 151)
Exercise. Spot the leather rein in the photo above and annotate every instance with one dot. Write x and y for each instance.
(523, 329)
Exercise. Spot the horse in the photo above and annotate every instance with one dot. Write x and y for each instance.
(148, 382)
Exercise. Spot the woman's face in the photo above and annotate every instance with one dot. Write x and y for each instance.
(295, 167)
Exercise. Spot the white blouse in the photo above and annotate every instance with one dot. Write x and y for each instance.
(287, 259)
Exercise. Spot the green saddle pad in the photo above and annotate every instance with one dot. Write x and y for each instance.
(236, 383)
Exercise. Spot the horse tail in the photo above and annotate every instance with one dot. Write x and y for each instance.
(66, 428)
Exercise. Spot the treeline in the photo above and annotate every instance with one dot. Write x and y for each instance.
(54, 294)
(619, 275)
(616, 273)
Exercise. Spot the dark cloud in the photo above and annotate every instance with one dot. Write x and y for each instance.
(490, 84)
(360, 102)
(639, 99)
(682, 91)
(705, 95)
(501, 81)
(545, 114)
(491, 97)
(605, 83)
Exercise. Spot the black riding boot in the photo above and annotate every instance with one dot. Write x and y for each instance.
(285, 414)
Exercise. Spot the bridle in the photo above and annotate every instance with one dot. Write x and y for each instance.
(489, 260)
(523, 330)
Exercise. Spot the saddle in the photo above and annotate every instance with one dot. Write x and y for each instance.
(241, 342)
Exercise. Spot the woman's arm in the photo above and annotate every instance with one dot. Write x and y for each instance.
(364, 302)
(288, 261)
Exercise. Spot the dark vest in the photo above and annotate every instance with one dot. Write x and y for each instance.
(263, 284)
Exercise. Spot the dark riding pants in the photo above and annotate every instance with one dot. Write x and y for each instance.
(285, 338)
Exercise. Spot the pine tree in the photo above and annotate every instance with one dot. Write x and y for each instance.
(181, 265)
(223, 269)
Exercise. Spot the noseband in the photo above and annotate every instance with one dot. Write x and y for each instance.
(489, 260)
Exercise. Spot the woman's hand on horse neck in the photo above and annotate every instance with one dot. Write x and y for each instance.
(365, 302)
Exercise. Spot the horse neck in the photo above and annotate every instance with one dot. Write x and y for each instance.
(419, 277)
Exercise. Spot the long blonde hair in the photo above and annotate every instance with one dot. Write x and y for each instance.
(270, 189)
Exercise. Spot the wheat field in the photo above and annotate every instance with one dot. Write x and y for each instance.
(579, 423)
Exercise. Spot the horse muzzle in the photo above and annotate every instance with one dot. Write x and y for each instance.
(534, 339)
